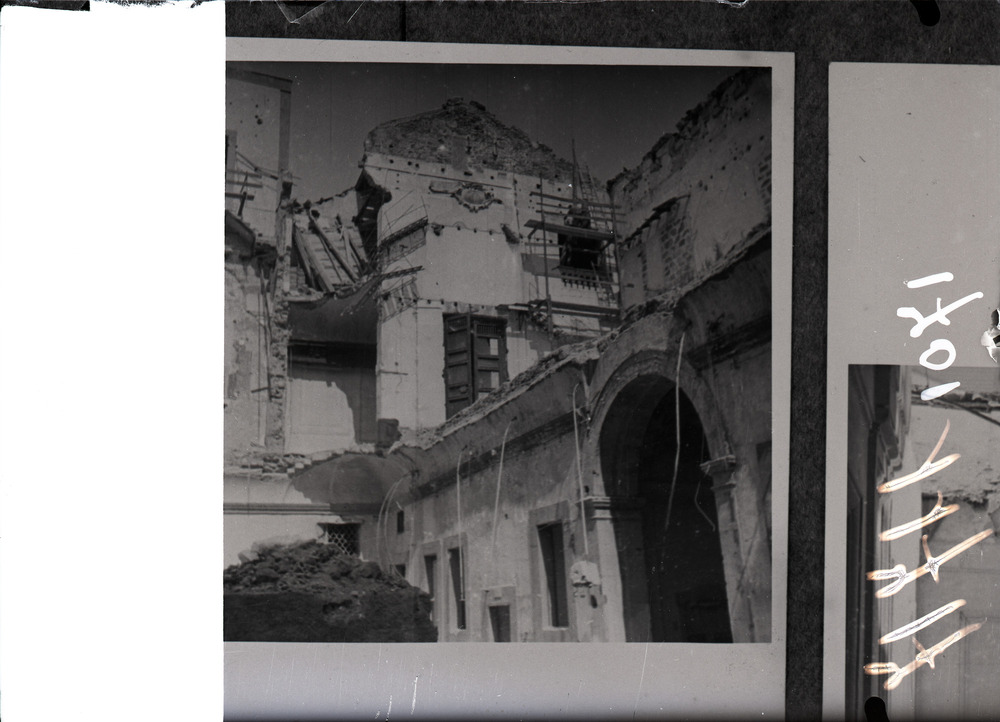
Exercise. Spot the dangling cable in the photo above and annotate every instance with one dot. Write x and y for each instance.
(496, 502)
(382, 525)
(579, 476)
(677, 423)
(698, 488)
(458, 492)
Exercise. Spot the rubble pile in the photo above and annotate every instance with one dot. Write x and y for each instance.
(311, 592)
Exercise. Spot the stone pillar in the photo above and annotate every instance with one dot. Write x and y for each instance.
(724, 473)
(617, 522)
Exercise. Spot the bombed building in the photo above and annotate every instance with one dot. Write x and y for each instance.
(540, 397)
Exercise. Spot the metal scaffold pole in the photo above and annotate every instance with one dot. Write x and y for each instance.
(545, 249)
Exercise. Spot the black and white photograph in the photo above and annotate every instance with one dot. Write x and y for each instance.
(923, 556)
(498, 353)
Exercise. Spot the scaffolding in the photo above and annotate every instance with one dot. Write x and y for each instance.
(578, 231)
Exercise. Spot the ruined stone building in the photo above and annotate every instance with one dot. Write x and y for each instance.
(543, 400)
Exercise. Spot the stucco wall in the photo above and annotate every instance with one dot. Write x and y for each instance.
(469, 259)
(253, 126)
(411, 361)
(532, 480)
(467, 263)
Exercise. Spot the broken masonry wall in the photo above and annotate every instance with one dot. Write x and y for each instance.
(701, 192)
(465, 134)
(279, 335)
(245, 351)
(258, 111)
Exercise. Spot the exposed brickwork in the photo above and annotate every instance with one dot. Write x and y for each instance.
(463, 133)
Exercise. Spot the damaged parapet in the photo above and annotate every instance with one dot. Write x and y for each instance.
(701, 193)
(464, 135)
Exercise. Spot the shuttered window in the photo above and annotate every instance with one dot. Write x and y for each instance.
(475, 358)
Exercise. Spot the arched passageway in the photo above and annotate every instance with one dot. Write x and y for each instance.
(672, 579)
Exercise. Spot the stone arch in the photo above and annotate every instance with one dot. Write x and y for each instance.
(652, 363)
(670, 567)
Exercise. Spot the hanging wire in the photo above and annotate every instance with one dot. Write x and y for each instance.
(579, 475)
(677, 423)
(381, 525)
(698, 488)
(458, 492)
(496, 502)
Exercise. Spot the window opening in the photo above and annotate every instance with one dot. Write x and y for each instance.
(550, 541)
(342, 536)
(455, 563)
(475, 358)
(430, 569)
(500, 622)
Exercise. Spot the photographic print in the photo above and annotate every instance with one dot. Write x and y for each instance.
(913, 391)
(922, 552)
(500, 357)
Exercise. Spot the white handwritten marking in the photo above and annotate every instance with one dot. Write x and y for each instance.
(925, 621)
(413, 704)
(934, 391)
(938, 512)
(930, 280)
(928, 468)
(938, 344)
(932, 566)
(926, 656)
(939, 316)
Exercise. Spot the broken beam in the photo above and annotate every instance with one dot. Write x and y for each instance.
(331, 249)
(596, 204)
(573, 231)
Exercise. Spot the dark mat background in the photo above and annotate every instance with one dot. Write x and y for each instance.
(818, 32)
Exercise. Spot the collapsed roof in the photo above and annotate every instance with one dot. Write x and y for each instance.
(463, 132)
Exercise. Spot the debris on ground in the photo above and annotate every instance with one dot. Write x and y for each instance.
(313, 592)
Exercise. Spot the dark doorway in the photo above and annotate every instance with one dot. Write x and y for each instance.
(673, 582)
(500, 622)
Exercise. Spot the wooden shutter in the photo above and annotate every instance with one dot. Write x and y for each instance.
(458, 363)
(475, 358)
